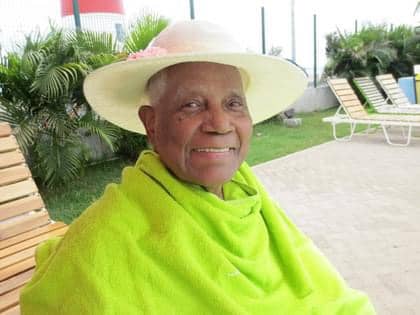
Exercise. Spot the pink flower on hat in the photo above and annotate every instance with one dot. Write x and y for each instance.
(153, 51)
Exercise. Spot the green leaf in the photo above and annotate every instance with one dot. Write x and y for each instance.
(143, 30)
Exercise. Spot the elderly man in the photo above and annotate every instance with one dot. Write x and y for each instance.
(189, 230)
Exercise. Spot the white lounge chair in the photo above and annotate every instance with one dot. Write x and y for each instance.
(352, 112)
(375, 99)
(393, 91)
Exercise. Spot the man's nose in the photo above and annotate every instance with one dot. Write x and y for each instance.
(217, 120)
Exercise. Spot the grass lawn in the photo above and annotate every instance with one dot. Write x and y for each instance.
(67, 203)
(271, 140)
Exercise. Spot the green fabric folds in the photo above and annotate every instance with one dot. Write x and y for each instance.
(156, 245)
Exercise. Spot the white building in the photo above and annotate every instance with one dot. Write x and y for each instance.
(96, 15)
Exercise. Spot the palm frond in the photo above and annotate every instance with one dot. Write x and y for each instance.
(55, 80)
(25, 127)
(90, 42)
(57, 124)
(59, 161)
(96, 61)
(143, 30)
(107, 132)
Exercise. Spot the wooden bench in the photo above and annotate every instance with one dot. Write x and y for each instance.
(24, 222)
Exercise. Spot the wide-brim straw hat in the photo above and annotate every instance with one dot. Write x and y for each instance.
(116, 91)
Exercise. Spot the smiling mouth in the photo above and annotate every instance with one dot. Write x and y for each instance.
(214, 150)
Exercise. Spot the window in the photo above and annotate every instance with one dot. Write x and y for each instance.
(120, 32)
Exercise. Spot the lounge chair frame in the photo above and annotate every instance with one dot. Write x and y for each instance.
(352, 112)
(394, 92)
(375, 99)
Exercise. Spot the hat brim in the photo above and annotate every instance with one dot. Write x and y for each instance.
(115, 91)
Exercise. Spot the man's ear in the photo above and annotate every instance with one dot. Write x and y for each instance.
(147, 116)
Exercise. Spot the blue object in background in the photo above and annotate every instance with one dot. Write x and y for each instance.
(407, 84)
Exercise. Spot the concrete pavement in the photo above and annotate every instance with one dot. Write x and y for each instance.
(359, 201)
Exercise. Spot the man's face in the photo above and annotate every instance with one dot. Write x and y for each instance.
(200, 124)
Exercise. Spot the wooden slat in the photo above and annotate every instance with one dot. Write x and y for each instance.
(5, 129)
(388, 81)
(17, 257)
(359, 115)
(365, 86)
(355, 109)
(23, 224)
(376, 97)
(31, 242)
(363, 82)
(20, 206)
(344, 92)
(17, 190)
(368, 90)
(8, 144)
(10, 299)
(14, 174)
(375, 94)
(31, 234)
(15, 269)
(400, 95)
(366, 83)
(394, 91)
(349, 97)
(15, 310)
(342, 86)
(337, 81)
(16, 281)
(351, 103)
(11, 158)
(397, 95)
(372, 92)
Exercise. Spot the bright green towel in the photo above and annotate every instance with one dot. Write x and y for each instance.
(155, 245)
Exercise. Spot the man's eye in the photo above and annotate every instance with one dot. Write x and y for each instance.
(235, 104)
(191, 105)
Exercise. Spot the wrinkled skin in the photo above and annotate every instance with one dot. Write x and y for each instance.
(199, 123)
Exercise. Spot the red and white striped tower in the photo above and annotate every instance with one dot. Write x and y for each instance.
(96, 15)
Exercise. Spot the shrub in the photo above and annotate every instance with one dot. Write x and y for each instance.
(374, 50)
(131, 144)
(42, 98)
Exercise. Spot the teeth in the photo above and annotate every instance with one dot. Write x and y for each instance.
(219, 150)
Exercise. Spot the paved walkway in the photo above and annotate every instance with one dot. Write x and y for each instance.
(359, 201)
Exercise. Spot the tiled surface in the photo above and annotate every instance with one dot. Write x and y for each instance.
(359, 201)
